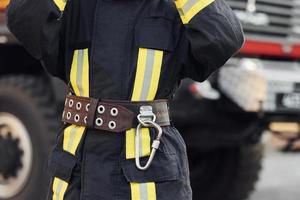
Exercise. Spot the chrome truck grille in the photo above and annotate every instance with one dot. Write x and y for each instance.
(275, 20)
(262, 85)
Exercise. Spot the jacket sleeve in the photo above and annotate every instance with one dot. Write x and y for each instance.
(36, 24)
(211, 35)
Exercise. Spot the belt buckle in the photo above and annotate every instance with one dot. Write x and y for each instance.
(146, 119)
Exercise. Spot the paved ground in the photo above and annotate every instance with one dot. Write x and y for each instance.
(280, 178)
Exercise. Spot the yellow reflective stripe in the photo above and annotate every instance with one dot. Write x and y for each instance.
(79, 77)
(85, 74)
(158, 57)
(151, 191)
(135, 191)
(145, 87)
(180, 3)
(145, 143)
(188, 9)
(130, 142)
(72, 137)
(140, 74)
(143, 191)
(73, 73)
(59, 189)
(60, 4)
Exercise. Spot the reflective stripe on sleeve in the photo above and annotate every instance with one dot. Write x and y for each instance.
(79, 76)
(60, 4)
(189, 8)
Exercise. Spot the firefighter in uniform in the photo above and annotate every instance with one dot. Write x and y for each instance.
(123, 59)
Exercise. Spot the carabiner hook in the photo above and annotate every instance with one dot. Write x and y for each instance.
(154, 146)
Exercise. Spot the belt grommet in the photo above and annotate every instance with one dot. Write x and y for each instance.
(85, 120)
(71, 102)
(114, 112)
(66, 101)
(99, 122)
(78, 105)
(76, 118)
(112, 125)
(87, 107)
(69, 115)
(63, 114)
(101, 109)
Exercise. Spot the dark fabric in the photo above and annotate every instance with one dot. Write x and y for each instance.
(35, 24)
(161, 39)
(78, 20)
(211, 37)
(26, 26)
(61, 164)
(48, 34)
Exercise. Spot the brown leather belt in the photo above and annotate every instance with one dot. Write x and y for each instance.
(111, 115)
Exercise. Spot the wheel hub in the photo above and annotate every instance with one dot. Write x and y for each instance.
(15, 155)
(10, 154)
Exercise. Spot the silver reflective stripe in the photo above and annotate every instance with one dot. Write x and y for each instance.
(189, 5)
(141, 146)
(146, 84)
(58, 189)
(143, 191)
(72, 138)
(148, 74)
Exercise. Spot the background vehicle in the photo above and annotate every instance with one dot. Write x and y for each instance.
(258, 90)
(223, 137)
(28, 119)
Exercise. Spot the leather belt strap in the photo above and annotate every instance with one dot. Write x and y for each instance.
(111, 115)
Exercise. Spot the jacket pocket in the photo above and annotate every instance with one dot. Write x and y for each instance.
(166, 165)
(155, 32)
(61, 164)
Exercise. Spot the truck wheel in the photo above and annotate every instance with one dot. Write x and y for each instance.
(28, 117)
(225, 173)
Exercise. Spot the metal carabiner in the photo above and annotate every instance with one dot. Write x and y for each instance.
(154, 146)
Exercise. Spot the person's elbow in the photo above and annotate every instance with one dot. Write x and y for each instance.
(238, 39)
(229, 41)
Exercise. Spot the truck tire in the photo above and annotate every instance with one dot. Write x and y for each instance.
(225, 173)
(28, 122)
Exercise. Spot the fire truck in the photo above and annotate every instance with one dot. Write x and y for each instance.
(255, 91)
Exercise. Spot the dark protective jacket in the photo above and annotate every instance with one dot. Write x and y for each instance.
(125, 50)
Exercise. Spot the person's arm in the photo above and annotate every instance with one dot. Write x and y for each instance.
(36, 24)
(212, 34)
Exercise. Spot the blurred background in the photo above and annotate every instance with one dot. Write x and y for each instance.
(241, 126)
